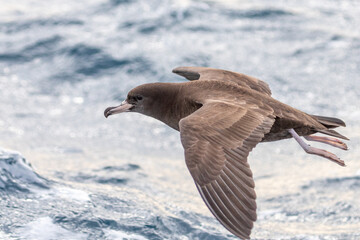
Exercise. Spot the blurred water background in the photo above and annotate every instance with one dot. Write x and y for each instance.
(86, 177)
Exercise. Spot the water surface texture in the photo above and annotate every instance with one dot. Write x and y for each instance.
(66, 172)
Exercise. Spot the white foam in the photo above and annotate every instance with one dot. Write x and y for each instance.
(70, 193)
(44, 229)
(5, 236)
(117, 235)
(267, 213)
(64, 193)
(16, 167)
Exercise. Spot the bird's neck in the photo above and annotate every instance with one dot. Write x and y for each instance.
(173, 105)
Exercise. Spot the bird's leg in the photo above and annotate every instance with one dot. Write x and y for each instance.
(311, 150)
(328, 140)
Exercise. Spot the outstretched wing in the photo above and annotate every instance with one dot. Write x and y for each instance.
(203, 73)
(217, 139)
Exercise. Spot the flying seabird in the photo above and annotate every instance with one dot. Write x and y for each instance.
(221, 116)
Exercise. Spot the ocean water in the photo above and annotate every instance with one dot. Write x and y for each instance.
(66, 172)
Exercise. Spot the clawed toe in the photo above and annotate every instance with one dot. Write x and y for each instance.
(320, 152)
(325, 154)
(328, 140)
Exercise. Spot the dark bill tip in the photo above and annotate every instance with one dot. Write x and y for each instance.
(107, 111)
(123, 107)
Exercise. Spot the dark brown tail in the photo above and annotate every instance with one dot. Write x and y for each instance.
(332, 133)
(329, 123)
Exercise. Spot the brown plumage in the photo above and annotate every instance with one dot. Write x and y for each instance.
(221, 116)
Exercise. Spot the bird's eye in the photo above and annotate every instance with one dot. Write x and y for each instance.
(138, 97)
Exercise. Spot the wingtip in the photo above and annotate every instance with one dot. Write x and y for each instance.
(176, 70)
(187, 73)
(180, 69)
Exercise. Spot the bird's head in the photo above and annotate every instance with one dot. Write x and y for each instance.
(145, 99)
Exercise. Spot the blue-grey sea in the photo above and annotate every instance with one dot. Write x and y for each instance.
(66, 172)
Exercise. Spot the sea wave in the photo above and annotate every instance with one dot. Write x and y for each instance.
(16, 174)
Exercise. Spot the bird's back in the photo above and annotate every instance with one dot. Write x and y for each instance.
(286, 117)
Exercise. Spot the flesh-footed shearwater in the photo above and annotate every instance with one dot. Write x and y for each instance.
(221, 116)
